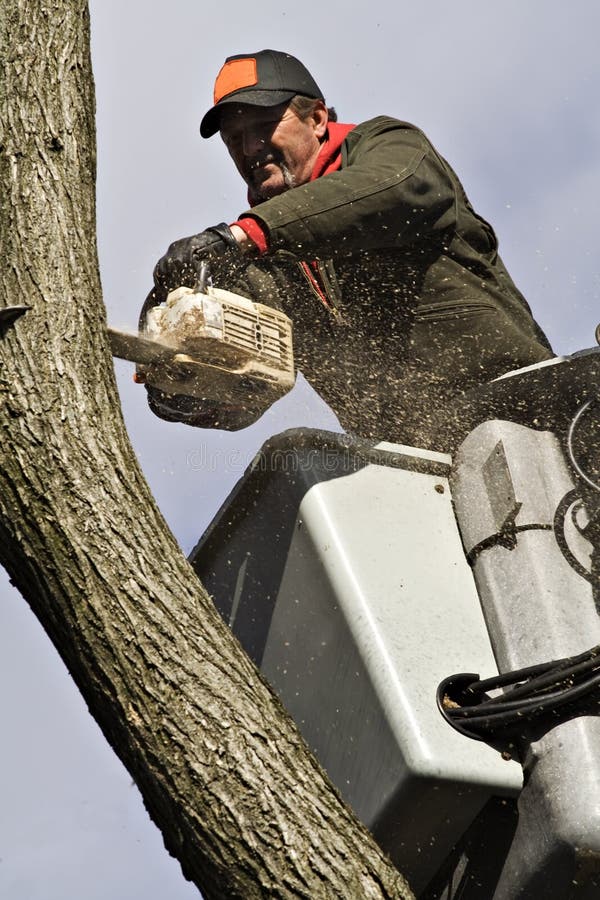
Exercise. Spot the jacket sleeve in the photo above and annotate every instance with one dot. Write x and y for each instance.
(392, 190)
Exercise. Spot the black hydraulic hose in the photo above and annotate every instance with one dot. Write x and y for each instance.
(538, 695)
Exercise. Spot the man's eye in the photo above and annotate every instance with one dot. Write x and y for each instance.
(261, 130)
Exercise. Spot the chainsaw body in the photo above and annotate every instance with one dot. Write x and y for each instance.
(215, 347)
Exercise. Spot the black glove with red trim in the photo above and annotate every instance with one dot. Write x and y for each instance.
(181, 264)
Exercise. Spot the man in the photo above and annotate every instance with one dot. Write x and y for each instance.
(364, 236)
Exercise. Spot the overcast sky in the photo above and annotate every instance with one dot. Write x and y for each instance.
(508, 92)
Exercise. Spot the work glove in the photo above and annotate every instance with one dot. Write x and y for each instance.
(198, 413)
(181, 264)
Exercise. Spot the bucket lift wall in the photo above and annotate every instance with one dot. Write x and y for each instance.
(340, 568)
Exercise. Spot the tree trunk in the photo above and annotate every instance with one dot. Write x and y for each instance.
(223, 772)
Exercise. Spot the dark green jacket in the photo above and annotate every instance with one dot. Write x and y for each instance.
(420, 306)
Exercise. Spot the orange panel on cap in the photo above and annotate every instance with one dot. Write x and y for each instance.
(236, 74)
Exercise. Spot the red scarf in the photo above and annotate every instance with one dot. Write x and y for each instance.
(330, 154)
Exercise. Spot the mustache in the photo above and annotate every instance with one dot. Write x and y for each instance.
(254, 165)
(257, 162)
(255, 176)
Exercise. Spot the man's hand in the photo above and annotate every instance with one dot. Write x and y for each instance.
(180, 266)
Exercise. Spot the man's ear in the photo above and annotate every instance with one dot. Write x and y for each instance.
(320, 118)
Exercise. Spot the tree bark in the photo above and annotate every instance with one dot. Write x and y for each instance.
(223, 772)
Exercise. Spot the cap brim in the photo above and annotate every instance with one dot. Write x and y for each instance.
(211, 122)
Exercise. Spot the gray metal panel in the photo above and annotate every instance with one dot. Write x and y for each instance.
(376, 606)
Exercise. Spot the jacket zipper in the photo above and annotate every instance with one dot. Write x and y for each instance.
(321, 285)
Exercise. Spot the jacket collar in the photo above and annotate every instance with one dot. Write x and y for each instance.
(330, 154)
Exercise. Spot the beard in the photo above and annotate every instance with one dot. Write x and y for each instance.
(258, 188)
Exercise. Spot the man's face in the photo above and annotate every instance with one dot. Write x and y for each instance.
(272, 148)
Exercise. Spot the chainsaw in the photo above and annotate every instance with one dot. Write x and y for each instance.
(212, 346)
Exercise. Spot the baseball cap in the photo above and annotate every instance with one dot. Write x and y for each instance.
(266, 78)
